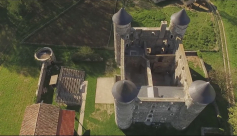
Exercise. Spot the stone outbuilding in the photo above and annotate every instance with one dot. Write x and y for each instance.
(46, 119)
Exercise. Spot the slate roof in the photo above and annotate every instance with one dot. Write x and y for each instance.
(202, 92)
(68, 86)
(43, 119)
(180, 18)
(124, 91)
(122, 17)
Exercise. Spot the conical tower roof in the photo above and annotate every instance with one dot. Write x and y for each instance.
(202, 92)
(124, 91)
(180, 18)
(122, 17)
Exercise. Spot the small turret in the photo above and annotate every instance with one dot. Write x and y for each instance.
(122, 26)
(178, 23)
(124, 93)
(45, 55)
(202, 94)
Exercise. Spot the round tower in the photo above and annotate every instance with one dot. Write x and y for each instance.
(201, 94)
(124, 93)
(122, 26)
(178, 23)
(45, 55)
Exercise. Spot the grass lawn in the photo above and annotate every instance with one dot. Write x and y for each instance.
(200, 32)
(228, 12)
(196, 68)
(19, 78)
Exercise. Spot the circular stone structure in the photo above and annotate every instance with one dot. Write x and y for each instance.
(44, 54)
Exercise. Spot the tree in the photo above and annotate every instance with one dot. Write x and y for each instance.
(233, 118)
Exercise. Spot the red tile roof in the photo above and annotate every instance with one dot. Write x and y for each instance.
(66, 122)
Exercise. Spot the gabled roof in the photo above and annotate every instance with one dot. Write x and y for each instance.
(40, 119)
(44, 119)
(68, 86)
(66, 123)
(122, 17)
(180, 18)
(30, 118)
(124, 91)
(202, 92)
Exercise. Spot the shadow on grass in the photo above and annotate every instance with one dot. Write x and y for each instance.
(196, 76)
(21, 60)
(231, 19)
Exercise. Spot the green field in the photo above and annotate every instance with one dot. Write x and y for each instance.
(19, 78)
(19, 72)
(200, 33)
(228, 12)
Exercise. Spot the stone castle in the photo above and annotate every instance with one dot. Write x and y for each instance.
(156, 86)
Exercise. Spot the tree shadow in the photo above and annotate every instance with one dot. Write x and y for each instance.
(87, 133)
(231, 19)
(21, 60)
(79, 31)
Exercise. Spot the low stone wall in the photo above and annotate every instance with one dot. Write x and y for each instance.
(204, 68)
(41, 82)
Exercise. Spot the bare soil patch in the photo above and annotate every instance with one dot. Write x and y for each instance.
(195, 60)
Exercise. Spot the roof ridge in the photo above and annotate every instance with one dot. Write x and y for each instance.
(37, 117)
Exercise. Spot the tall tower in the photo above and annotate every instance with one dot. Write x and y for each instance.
(124, 93)
(202, 94)
(178, 23)
(122, 26)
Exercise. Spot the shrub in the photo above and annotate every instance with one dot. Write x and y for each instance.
(85, 53)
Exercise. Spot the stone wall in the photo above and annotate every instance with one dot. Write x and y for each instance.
(177, 30)
(41, 82)
(182, 73)
(123, 114)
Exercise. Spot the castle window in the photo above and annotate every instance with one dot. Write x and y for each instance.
(148, 120)
(171, 114)
(151, 111)
(150, 116)
(171, 36)
(126, 45)
(153, 106)
(136, 107)
(127, 36)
